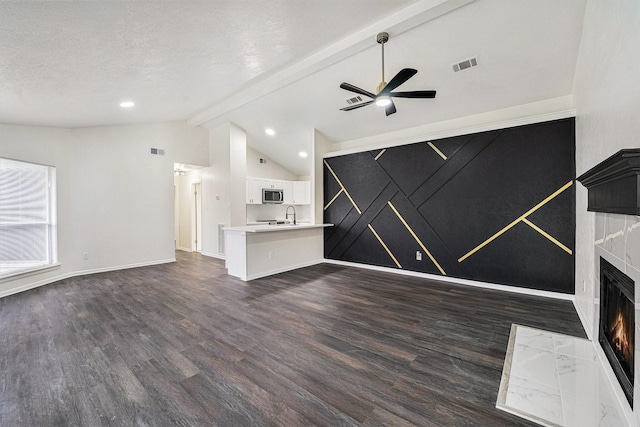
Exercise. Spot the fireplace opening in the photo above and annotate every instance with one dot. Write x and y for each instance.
(617, 324)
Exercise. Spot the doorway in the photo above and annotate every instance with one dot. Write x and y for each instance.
(187, 207)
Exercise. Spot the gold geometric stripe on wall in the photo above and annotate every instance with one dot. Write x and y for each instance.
(384, 246)
(522, 218)
(343, 188)
(334, 198)
(547, 235)
(417, 239)
(440, 153)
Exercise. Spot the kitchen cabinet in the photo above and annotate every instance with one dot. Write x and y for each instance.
(301, 193)
(272, 183)
(287, 190)
(294, 192)
(262, 250)
(254, 191)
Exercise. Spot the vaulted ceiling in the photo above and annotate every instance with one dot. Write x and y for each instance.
(278, 63)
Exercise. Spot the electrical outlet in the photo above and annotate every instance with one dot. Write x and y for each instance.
(85, 255)
(270, 254)
(418, 256)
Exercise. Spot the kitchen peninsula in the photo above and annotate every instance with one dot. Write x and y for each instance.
(256, 251)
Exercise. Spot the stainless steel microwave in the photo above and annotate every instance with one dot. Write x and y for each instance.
(271, 195)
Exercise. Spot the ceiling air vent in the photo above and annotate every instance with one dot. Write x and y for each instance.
(467, 63)
(357, 99)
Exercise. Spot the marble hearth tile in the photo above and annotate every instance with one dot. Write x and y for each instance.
(580, 412)
(583, 396)
(577, 375)
(615, 238)
(575, 347)
(535, 399)
(530, 337)
(633, 241)
(532, 364)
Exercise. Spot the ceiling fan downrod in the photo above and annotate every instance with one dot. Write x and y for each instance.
(382, 38)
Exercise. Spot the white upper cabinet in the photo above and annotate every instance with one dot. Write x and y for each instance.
(301, 193)
(287, 189)
(254, 191)
(294, 192)
(272, 183)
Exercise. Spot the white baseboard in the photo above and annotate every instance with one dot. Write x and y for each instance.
(50, 280)
(455, 280)
(213, 255)
(33, 285)
(179, 248)
(122, 267)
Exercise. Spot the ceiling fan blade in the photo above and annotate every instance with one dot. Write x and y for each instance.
(390, 109)
(356, 89)
(402, 76)
(415, 94)
(353, 107)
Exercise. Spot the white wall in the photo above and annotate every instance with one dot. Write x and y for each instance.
(216, 200)
(321, 146)
(238, 175)
(270, 170)
(122, 204)
(607, 101)
(115, 199)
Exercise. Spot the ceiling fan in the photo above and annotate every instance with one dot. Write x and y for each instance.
(384, 90)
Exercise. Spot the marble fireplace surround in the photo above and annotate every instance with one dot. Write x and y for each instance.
(614, 196)
(617, 240)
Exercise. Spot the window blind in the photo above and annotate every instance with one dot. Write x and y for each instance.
(26, 217)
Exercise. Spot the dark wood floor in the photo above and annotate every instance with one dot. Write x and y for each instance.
(184, 344)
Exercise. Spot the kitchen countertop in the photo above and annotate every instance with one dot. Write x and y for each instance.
(270, 228)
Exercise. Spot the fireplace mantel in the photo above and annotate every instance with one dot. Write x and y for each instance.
(613, 184)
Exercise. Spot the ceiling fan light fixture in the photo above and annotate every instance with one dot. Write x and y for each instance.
(384, 93)
(383, 101)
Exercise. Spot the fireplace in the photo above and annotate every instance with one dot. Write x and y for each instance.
(617, 324)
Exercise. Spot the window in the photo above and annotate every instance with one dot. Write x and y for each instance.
(27, 217)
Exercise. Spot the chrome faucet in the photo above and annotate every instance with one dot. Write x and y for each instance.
(286, 215)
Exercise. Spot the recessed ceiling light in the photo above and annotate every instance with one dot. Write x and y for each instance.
(127, 104)
(303, 154)
(270, 131)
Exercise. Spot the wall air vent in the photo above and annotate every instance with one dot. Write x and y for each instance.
(463, 65)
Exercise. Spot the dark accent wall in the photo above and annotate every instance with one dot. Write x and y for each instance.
(496, 206)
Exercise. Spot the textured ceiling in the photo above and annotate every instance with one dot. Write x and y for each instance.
(278, 63)
(70, 63)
